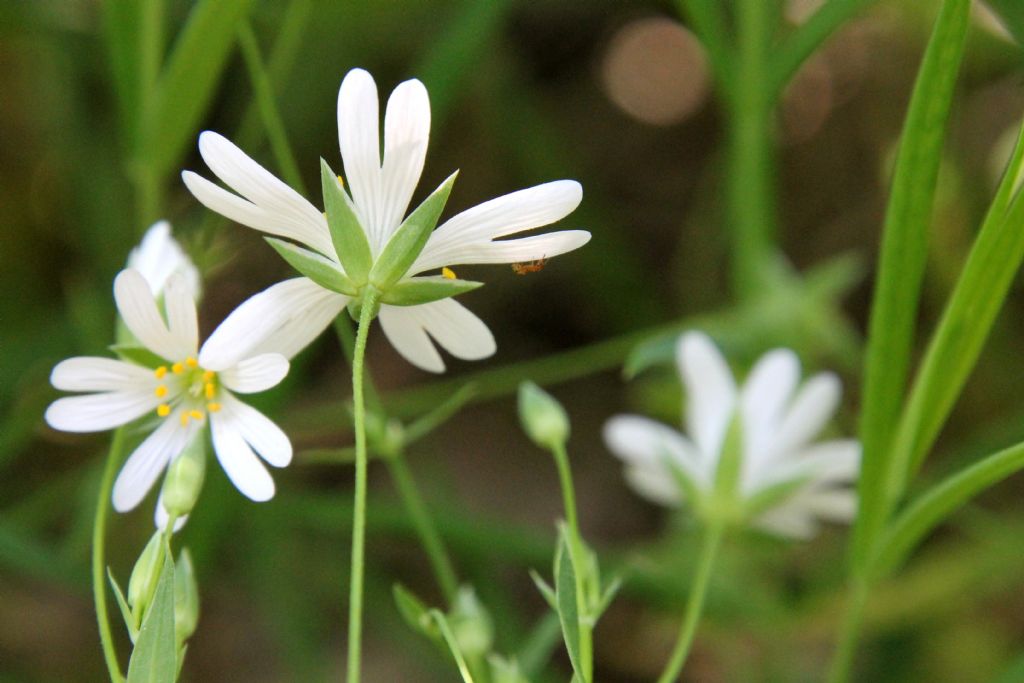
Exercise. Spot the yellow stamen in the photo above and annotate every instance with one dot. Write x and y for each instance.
(184, 419)
(195, 414)
(209, 390)
(208, 376)
(341, 181)
(447, 273)
(163, 410)
(160, 372)
(177, 368)
(191, 362)
(161, 391)
(213, 407)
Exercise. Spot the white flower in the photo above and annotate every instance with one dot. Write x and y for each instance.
(381, 190)
(159, 256)
(192, 387)
(785, 482)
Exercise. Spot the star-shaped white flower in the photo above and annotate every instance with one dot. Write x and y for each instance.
(785, 482)
(193, 386)
(380, 191)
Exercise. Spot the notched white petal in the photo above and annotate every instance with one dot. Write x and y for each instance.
(259, 431)
(146, 463)
(241, 465)
(93, 373)
(138, 310)
(710, 391)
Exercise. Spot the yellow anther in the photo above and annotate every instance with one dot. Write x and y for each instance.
(161, 391)
(209, 375)
(160, 372)
(341, 181)
(191, 362)
(184, 419)
(195, 414)
(447, 273)
(209, 390)
(213, 407)
(163, 410)
(177, 368)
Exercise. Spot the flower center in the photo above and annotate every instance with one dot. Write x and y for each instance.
(187, 384)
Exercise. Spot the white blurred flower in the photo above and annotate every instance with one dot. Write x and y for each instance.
(784, 483)
(159, 256)
(379, 192)
(189, 388)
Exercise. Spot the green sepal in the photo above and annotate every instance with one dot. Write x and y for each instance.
(347, 232)
(122, 603)
(155, 657)
(422, 290)
(545, 589)
(316, 267)
(410, 238)
(139, 355)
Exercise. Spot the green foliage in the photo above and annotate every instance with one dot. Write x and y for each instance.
(427, 288)
(1012, 14)
(155, 657)
(569, 610)
(317, 268)
(347, 234)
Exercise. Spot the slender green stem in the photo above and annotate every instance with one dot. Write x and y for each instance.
(578, 559)
(694, 605)
(269, 112)
(355, 593)
(842, 661)
(424, 526)
(751, 192)
(707, 19)
(99, 579)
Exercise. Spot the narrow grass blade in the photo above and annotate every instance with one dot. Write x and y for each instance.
(901, 267)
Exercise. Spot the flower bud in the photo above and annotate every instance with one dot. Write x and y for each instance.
(544, 419)
(471, 624)
(505, 671)
(186, 598)
(142, 584)
(184, 479)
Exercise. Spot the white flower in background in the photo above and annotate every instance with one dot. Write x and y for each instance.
(190, 388)
(159, 256)
(378, 194)
(782, 483)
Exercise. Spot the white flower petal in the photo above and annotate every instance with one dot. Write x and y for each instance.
(282, 319)
(812, 407)
(829, 462)
(710, 393)
(520, 250)
(258, 373)
(764, 396)
(99, 412)
(160, 516)
(359, 139)
(406, 334)
(241, 465)
(146, 463)
(159, 256)
(302, 228)
(657, 486)
(406, 133)
(834, 505)
(646, 444)
(92, 373)
(788, 522)
(457, 329)
(138, 310)
(181, 311)
(259, 431)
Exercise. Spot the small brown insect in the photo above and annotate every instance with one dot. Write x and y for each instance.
(530, 266)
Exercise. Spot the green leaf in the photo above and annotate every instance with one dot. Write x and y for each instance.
(410, 238)
(1011, 12)
(901, 266)
(565, 599)
(971, 311)
(316, 267)
(453, 645)
(422, 290)
(545, 589)
(121, 19)
(139, 355)
(937, 504)
(347, 232)
(126, 611)
(415, 612)
(155, 657)
(188, 82)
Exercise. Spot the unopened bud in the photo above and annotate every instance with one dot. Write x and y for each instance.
(145, 574)
(471, 624)
(543, 418)
(186, 598)
(184, 479)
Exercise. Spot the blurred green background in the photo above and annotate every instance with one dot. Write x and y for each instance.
(616, 95)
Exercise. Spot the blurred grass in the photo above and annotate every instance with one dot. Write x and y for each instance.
(518, 99)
